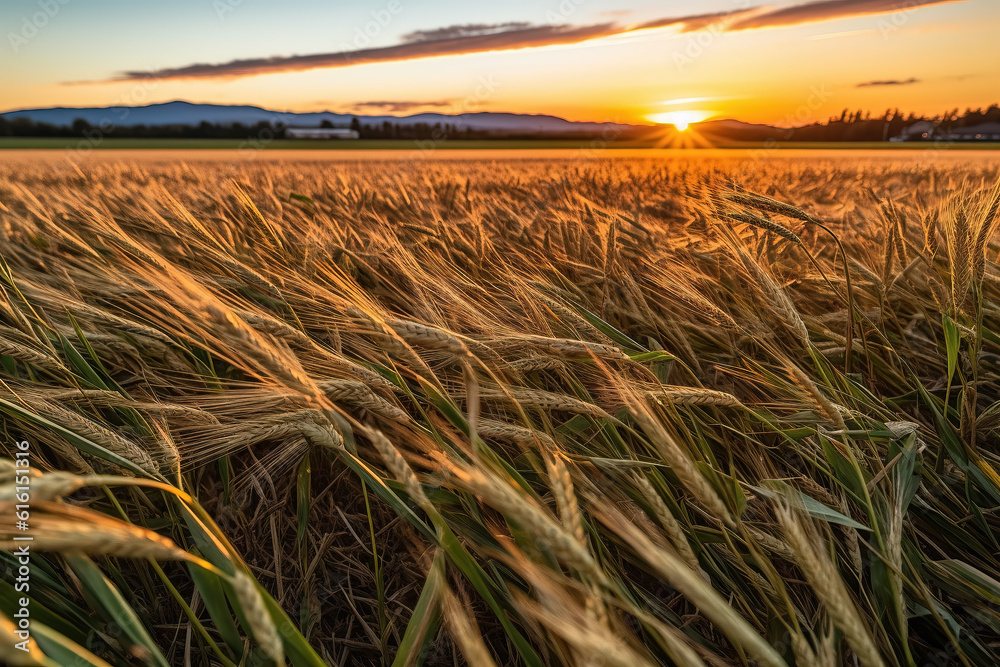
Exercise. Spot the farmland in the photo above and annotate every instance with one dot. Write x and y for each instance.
(582, 411)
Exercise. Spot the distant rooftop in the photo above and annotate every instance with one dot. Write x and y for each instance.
(321, 133)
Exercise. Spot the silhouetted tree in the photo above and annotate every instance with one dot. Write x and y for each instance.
(80, 126)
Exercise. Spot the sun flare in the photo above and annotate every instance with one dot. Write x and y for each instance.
(681, 120)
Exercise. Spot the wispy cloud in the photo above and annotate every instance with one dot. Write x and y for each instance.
(827, 10)
(692, 100)
(888, 82)
(399, 107)
(693, 22)
(841, 34)
(423, 44)
(484, 37)
(464, 30)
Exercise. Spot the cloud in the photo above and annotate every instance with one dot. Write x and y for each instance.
(397, 107)
(423, 44)
(827, 10)
(695, 22)
(466, 30)
(888, 82)
(486, 37)
(450, 40)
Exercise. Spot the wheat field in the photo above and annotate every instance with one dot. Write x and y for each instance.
(582, 412)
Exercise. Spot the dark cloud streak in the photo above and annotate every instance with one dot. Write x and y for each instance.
(466, 30)
(397, 107)
(888, 82)
(826, 10)
(481, 37)
(498, 41)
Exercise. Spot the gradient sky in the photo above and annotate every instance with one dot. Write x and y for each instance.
(784, 62)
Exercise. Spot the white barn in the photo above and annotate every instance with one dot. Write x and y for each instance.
(321, 133)
(928, 131)
(982, 132)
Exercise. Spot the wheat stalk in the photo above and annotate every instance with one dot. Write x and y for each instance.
(535, 521)
(690, 584)
(543, 400)
(464, 631)
(675, 532)
(400, 469)
(829, 587)
(29, 355)
(694, 396)
(561, 483)
(96, 433)
(257, 617)
(762, 223)
(680, 461)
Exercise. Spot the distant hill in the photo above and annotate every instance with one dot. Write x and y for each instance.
(187, 113)
(185, 120)
(737, 130)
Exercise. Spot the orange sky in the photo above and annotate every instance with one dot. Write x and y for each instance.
(785, 62)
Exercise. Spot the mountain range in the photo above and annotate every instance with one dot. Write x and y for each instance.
(187, 113)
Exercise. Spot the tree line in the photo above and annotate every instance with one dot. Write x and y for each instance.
(25, 127)
(850, 125)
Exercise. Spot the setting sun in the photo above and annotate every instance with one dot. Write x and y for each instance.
(680, 119)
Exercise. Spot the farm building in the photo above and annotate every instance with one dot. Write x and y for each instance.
(921, 130)
(321, 133)
(928, 131)
(984, 132)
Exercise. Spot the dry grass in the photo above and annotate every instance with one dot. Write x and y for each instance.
(545, 412)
